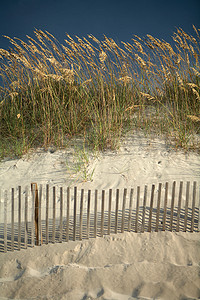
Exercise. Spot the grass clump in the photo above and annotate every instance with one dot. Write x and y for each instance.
(51, 92)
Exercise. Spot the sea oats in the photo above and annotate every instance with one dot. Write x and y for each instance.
(194, 118)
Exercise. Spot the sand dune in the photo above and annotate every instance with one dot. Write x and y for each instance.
(163, 265)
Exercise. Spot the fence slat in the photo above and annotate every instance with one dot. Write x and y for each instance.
(47, 214)
(61, 215)
(158, 206)
(172, 205)
(144, 208)
(137, 209)
(123, 210)
(151, 207)
(130, 209)
(95, 213)
(165, 205)
(199, 212)
(33, 217)
(19, 217)
(102, 212)
(193, 204)
(12, 219)
(26, 219)
(54, 214)
(116, 210)
(68, 209)
(40, 241)
(186, 205)
(5, 220)
(88, 214)
(75, 202)
(179, 206)
(81, 214)
(109, 210)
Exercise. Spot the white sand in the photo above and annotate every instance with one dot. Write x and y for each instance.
(161, 265)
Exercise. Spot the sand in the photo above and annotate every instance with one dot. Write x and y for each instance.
(162, 265)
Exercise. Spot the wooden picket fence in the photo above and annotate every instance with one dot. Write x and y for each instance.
(41, 216)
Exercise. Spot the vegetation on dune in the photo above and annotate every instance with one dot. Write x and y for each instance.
(51, 92)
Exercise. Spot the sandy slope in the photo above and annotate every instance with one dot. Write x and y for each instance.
(161, 265)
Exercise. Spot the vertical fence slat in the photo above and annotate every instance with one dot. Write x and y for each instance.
(61, 215)
(130, 210)
(123, 210)
(151, 207)
(186, 205)
(179, 206)
(5, 219)
(116, 210)
(68, 209)
(137, 209)
(165, 206)
(33, 217)
(19, 217)
(102, 212)
(47, 214)
(144, 208)
(158, 206)
(95, 213)
(81, 214)
(26, 219)
(88, 214)
(109, 210)
(199, 212)
(75, 203)
(12, 219)
(54, 214)
(193, 204)
(172, 205)
(40, 241)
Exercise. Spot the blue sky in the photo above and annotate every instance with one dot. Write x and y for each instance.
(116, 19)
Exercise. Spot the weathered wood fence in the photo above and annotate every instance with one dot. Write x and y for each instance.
(41, 216)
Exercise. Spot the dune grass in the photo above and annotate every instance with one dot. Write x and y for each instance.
(98, 89)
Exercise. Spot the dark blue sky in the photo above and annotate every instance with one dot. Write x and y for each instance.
(114, 18)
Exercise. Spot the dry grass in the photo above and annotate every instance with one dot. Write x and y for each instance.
(98, 89)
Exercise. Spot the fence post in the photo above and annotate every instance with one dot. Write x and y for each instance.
(179, 205)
